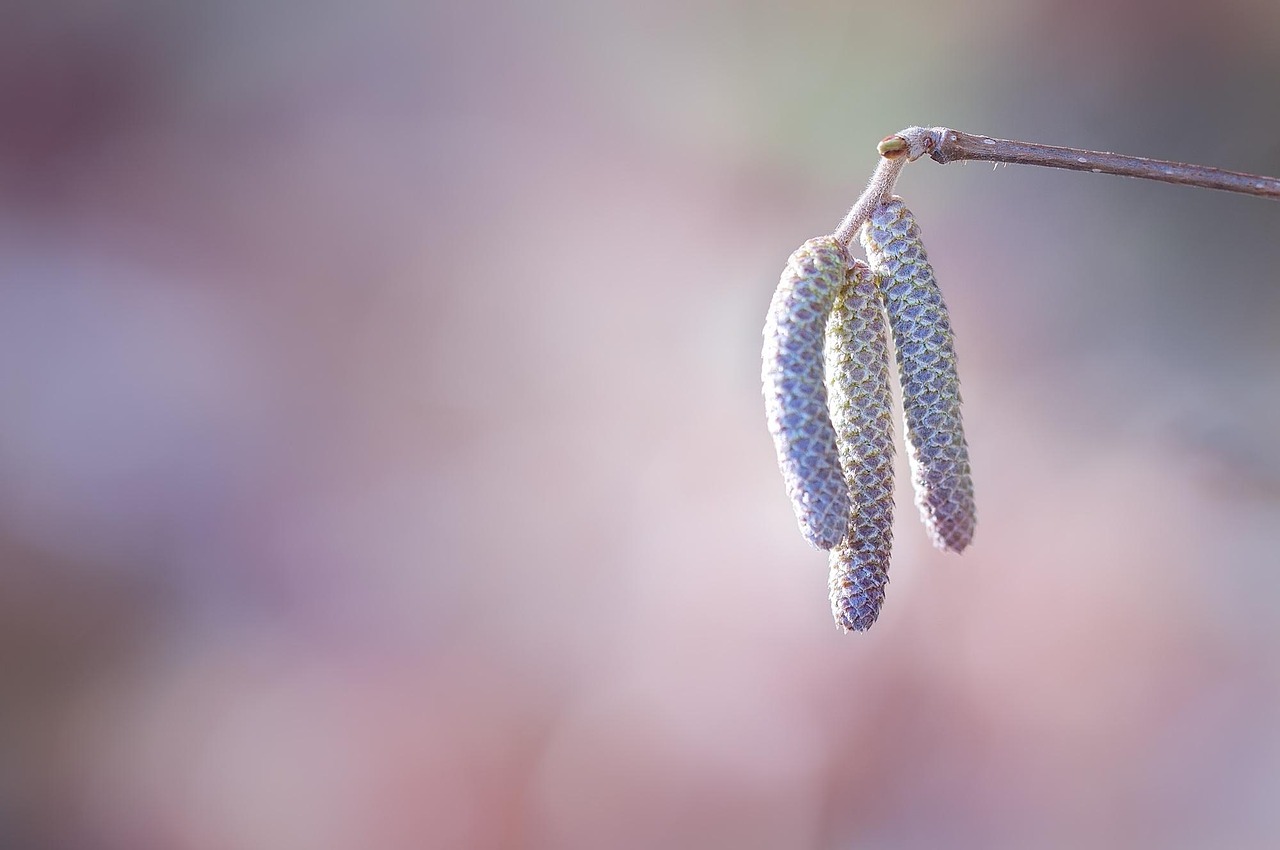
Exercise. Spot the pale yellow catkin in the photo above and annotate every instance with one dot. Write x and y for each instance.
(857, 375)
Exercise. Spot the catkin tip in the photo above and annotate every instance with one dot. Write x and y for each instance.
(857, 588)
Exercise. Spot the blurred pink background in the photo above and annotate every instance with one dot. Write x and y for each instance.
(383, 462)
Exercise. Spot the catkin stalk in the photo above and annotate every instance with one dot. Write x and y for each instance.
(795, 394)
(857, 362)
(925, 352)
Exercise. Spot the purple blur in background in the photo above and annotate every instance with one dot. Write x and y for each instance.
(383, 461)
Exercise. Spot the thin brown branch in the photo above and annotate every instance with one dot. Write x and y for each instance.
(945, 145)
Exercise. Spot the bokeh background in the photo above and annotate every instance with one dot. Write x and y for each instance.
(383, 463)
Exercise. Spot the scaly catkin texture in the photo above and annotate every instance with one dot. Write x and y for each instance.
(925, 350)
(857, 356)
(795, 395)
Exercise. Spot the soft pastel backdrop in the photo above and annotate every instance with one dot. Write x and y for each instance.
(383, 463)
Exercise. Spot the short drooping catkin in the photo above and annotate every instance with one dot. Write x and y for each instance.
(926, 358)
(857, 356)
(795, 396)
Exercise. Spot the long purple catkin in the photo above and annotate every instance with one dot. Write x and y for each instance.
(795, 396)
(925, 350)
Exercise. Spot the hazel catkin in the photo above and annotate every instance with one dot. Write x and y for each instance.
(925, 352)
(857, 374)
(795, 393)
